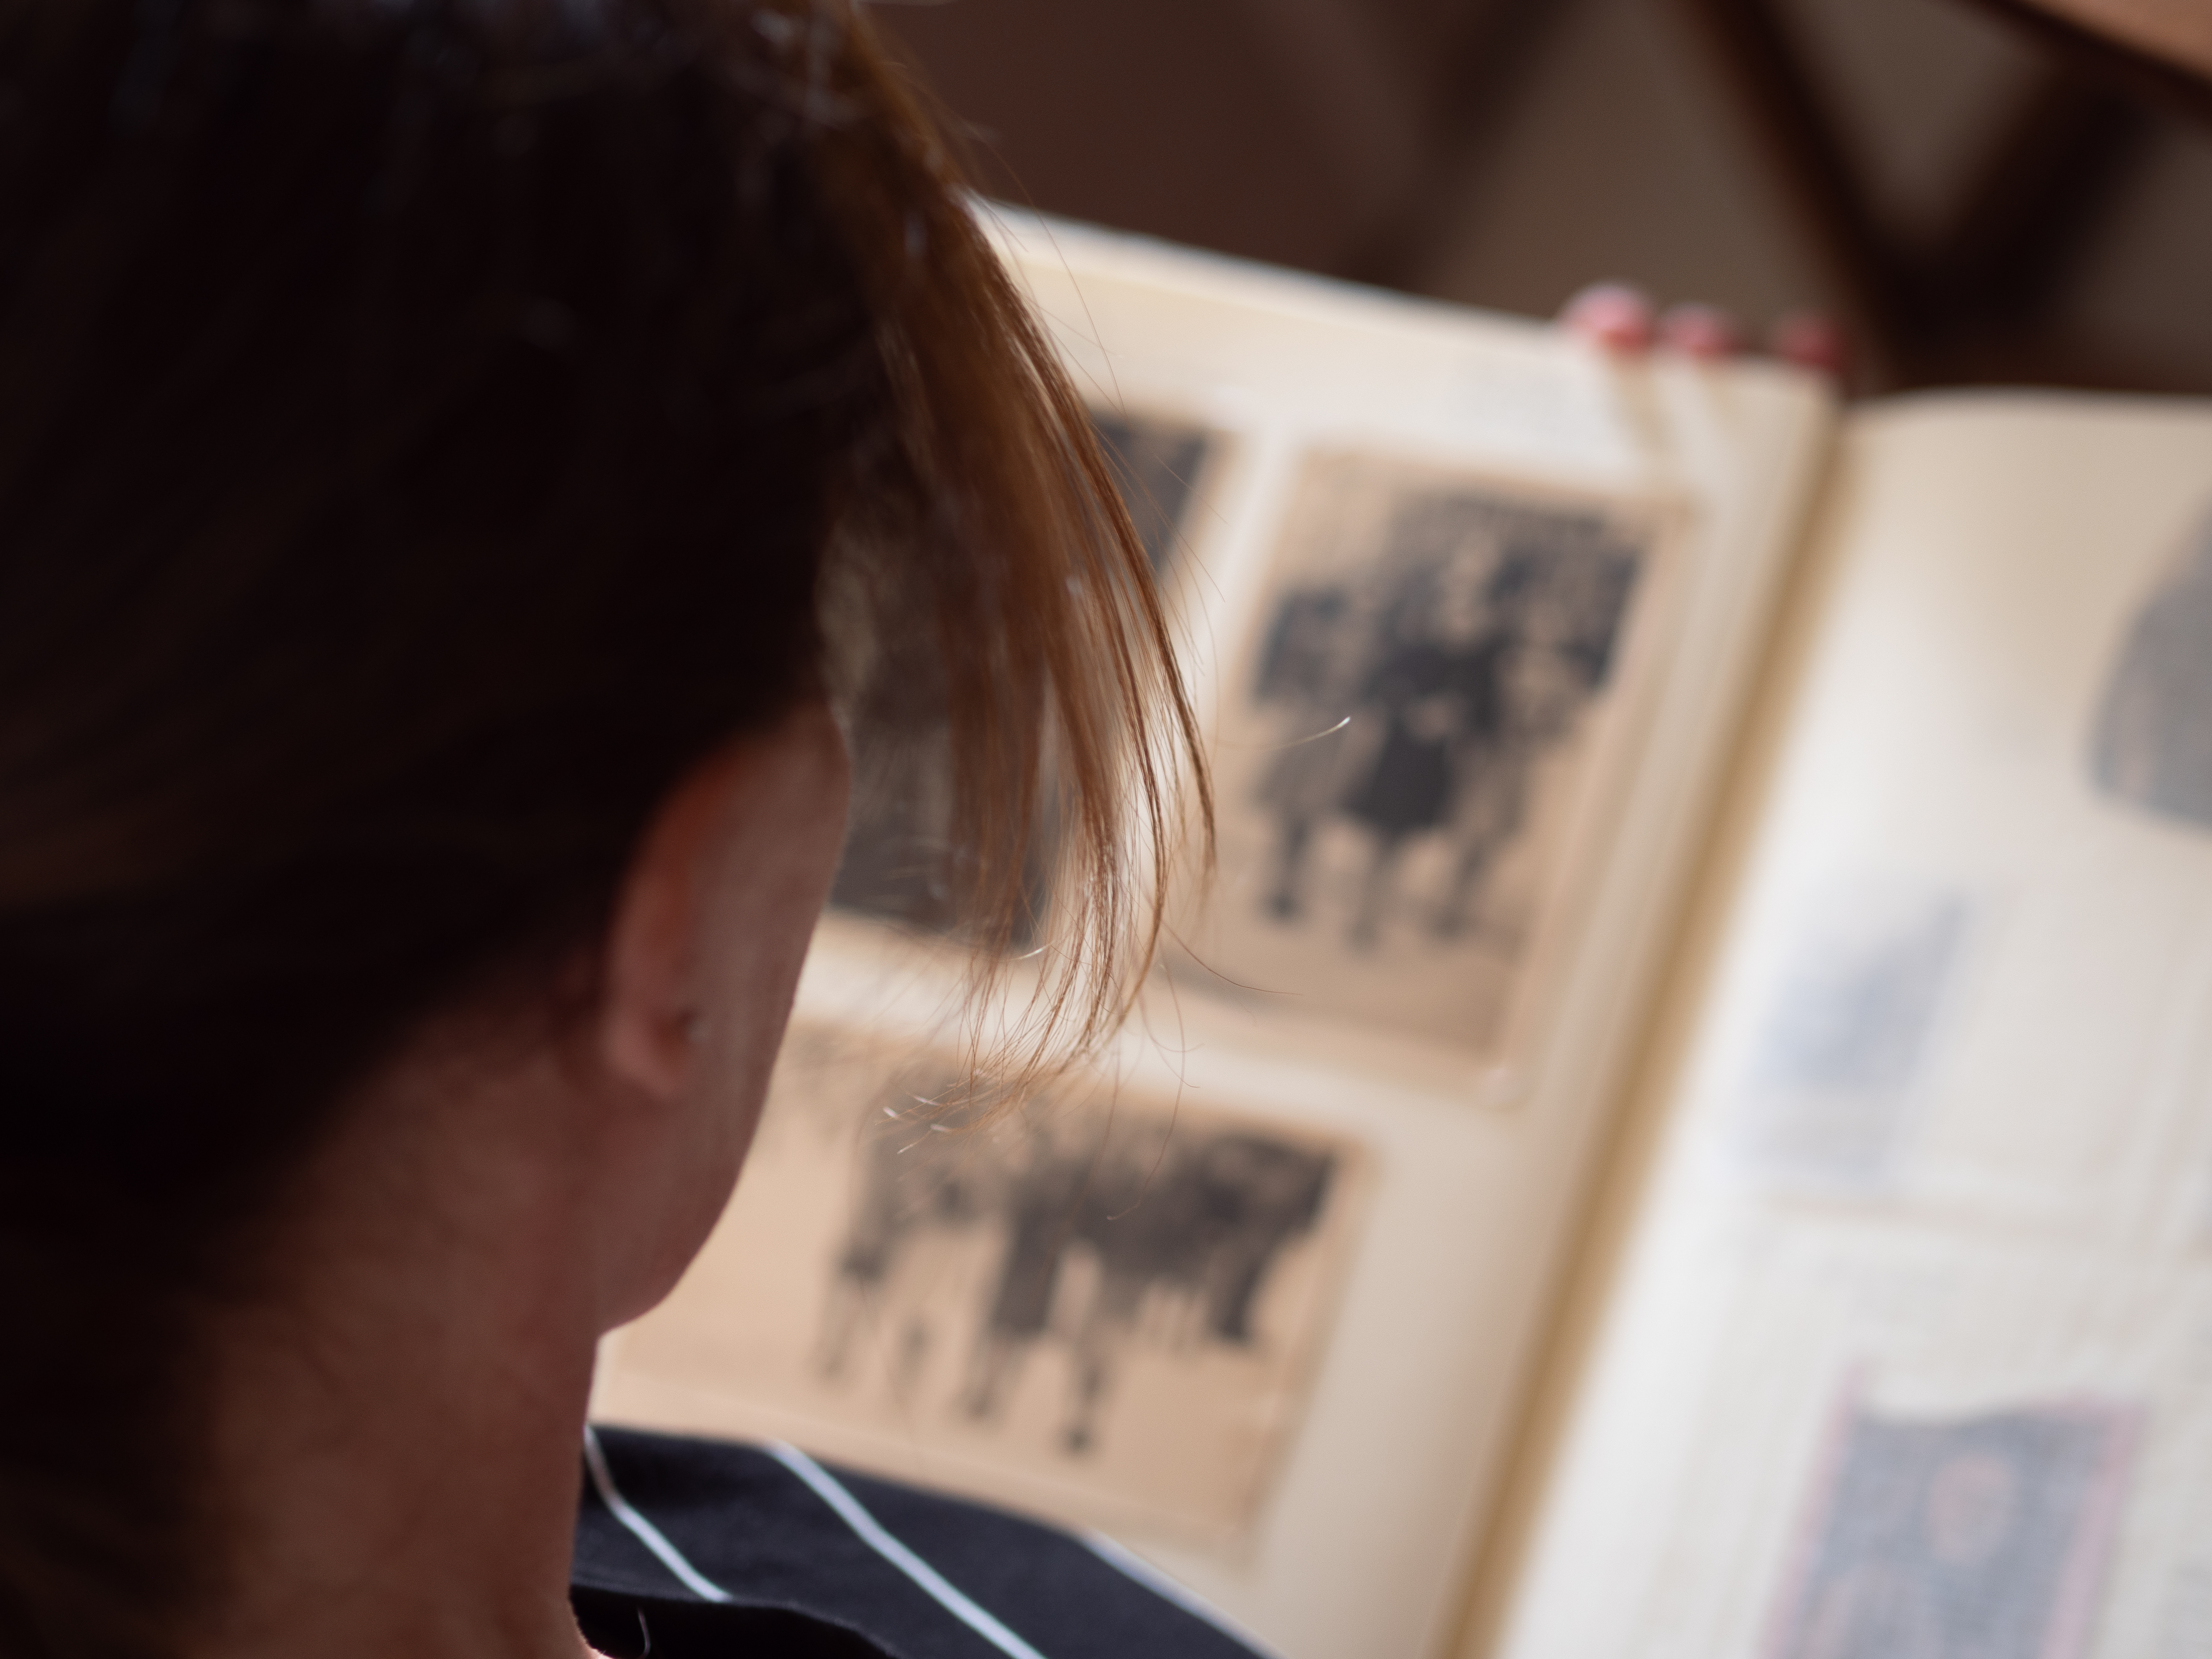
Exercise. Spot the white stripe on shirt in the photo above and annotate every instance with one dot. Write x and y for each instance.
(871, 1532)
(651, 1536)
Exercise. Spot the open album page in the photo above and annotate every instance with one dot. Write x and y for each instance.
(1470, 612)
(1910, 1351)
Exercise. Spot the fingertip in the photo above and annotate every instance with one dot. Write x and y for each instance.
(1700, 330)
(1614, 315)
(1813, 340)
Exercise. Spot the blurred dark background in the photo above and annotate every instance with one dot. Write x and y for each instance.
(1981, 194)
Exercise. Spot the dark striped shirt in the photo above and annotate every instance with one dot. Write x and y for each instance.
(695, 1547)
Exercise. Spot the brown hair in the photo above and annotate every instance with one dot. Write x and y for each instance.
(427, 428)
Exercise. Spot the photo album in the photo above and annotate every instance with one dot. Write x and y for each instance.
(1680, 1122)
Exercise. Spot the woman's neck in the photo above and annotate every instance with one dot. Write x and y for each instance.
(398, 1422)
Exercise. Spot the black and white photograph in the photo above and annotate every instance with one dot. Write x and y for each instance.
(1104, 1291)
(1981, 1536)
(2152, 743)
(1413, 742)
(1158, 461)
(1853, 1015)
(900, 865)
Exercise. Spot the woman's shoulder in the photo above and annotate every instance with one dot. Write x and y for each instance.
(682, 1543)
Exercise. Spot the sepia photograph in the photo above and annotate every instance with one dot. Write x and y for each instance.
(1158, 461)
(1852, 1017)
(900, 865)
(2152, 744)
(1970, 1537)
(1413, 741)
(1102, 1303)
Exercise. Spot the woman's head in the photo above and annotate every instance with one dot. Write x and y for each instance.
(429, 433)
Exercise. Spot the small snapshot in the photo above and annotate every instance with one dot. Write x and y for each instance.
(1159, 463)
(1420, 731)
(900, 865)
(1114, 1298)
(1972, 1537)
(1848, 1030)
(2152, 743)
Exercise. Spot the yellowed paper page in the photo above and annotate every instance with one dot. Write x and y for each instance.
(1907, 1353)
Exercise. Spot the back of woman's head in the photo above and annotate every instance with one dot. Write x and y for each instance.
(426, 431)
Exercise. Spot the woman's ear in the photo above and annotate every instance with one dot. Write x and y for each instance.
(738, 847)
(651, 949)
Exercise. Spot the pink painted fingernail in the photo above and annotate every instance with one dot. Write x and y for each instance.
(1614, 315)
(1700, 330)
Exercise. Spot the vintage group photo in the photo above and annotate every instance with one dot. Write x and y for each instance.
(1412, 739)
(1104, 1300)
